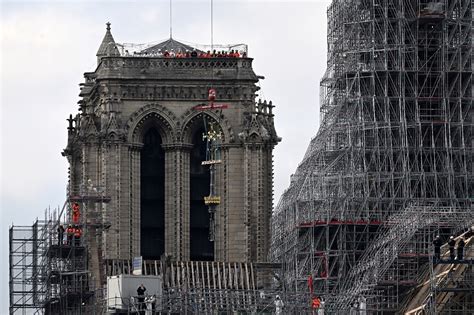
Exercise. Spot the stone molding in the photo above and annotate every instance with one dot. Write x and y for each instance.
(117, 63)
(167, 122)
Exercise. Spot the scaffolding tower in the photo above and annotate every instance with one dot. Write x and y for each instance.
(395, 136)
(27, 247)
(52, 272)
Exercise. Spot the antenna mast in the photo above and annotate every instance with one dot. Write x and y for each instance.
(171, 19)
(212, 25)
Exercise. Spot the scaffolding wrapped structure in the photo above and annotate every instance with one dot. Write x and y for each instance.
(394, 146)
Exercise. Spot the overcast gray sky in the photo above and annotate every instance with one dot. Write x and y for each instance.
(46, 46)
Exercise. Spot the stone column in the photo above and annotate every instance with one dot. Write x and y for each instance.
(122, 204)
(134, 207)
(221, 222)
(177, 200)
(258, 196)
(237, 205)
(108, 183)
(266, 201)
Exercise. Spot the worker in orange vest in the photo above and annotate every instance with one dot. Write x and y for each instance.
(76, 213)
(315, 303)
(70, 234)
(77, 235)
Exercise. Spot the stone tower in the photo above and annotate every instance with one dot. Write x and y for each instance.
(139, 138)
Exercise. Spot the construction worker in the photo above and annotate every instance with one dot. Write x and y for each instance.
(278, 305)
(70, 234)
(460, 249)
(362, 305)
(321, 308)
(150, 304)
(470, 232)
(60, 234)
(77, 236)
(437, 247)
(141, 297)
(76, 213)
(354, 308)
(212, 95)
(315, 303)
(451, 244)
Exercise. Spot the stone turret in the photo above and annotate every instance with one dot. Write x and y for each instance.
(108, 46)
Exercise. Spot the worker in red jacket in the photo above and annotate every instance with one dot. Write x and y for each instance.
(76, 213)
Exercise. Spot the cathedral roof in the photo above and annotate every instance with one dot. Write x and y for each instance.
(108, 46)
(169, 45)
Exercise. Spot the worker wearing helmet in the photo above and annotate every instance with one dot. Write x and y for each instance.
(70, 234)
(460, 248)
(437, 247)
(76, 213)
(77, 235)
(451, 244)
(278, 305)
(60, 234)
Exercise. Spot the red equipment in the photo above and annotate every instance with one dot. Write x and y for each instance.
(212, 97)
(316, 303)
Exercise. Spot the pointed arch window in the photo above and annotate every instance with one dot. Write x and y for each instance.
(152, 195)
(201, 248)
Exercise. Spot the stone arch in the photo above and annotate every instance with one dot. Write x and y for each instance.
(200, 247)
(151, 115)
(150, 127)
(112, 136)
(192, 119)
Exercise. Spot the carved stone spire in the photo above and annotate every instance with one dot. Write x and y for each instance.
(108, 46)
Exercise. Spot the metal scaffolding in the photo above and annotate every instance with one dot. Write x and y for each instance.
(395, 137)
(27, 247)
(449, 286)
(59, 273)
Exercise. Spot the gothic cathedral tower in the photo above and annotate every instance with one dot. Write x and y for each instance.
(140, 138)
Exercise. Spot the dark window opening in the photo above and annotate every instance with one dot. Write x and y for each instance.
(201, 248)
(152, 184)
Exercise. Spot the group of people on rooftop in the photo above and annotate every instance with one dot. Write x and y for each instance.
(192, 54)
